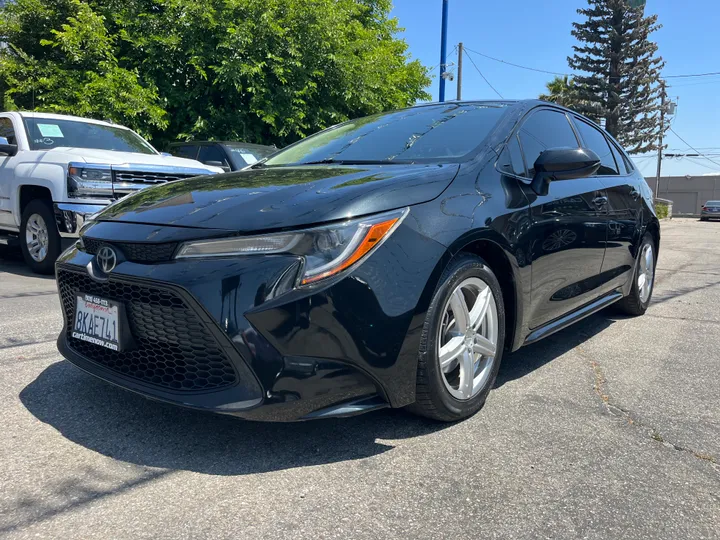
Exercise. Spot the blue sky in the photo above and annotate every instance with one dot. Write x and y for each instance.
(537, 34)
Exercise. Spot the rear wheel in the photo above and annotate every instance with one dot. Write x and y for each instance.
(39, 237)
(462, 342)
(637, 302)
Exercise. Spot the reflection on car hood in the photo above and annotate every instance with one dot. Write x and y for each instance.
(282, 197)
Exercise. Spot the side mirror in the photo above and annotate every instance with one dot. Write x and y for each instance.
(7, 148)
(218, 164)
(563, 164)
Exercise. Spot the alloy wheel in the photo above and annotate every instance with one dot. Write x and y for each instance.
(646, 272)
(467, 340)
(36, 237)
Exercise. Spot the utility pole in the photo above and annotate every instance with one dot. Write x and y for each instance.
(443, 49)
(459, 75)
(660, 141)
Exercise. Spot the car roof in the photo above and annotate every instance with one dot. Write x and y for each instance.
(53, 116)
(251, 145)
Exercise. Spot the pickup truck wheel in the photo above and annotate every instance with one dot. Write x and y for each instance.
(39, 237)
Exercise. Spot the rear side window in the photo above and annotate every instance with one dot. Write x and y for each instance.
(188, 151)
(544, 130)
(7, 130)
(596, 141)
(622, 167)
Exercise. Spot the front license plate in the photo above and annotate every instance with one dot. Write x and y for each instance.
(97, 321)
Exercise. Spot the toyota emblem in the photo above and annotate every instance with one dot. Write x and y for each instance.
(106, 259)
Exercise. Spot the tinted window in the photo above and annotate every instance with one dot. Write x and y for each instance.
(185, 151)
(512, 162)
(714, 204)
(595, 141)
(212, 153)
(430, 133)
(619, 160)
(545, 129)
(47, 133)
(7, 130)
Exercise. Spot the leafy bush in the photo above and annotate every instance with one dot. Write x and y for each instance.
(661, 209)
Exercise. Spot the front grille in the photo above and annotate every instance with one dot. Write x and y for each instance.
(133, 251)
(173, 348)
(148, 177)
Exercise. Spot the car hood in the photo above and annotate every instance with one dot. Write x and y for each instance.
(282, 197)
(111, 157)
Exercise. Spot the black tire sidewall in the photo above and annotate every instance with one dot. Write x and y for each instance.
(44, 210)
(461, 269)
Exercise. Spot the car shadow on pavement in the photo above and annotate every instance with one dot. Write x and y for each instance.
(128, 427)
(125, 426)
(532, 357)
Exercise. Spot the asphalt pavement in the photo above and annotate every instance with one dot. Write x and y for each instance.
(609, 429)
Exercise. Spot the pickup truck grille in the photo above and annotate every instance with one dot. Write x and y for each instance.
(148, 177)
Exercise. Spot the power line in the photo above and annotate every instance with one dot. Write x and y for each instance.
(574, 74)
(702, 164)
(518, 65)
(692, 75)
(483, 76)
(695, 149)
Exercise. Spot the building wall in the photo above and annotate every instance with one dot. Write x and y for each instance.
(688, 193)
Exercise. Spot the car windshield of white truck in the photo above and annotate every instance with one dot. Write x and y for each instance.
(48, 133)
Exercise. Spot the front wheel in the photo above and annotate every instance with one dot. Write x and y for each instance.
(39, 238)
(637, 302)
(462, 342)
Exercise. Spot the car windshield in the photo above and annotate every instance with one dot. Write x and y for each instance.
(47, 133)
(426, 134)
(242, 156)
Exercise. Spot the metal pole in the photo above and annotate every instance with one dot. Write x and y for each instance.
(660, 138)
(459, 76)
(443, 49)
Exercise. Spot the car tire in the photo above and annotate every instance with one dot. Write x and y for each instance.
(436, 395)
(638, 300)
(39, 238)
(703, 219)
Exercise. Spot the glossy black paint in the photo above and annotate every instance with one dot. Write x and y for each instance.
(354, 338)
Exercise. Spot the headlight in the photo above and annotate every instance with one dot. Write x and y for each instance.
(89, 180)
(326, 250)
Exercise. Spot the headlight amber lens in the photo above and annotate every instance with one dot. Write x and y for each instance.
(326, 250)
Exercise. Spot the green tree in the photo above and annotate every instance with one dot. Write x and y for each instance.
(57, 56)
(561, 90)
(620, 84)
(268, 71)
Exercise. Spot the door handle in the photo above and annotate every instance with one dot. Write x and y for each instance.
(600, 201)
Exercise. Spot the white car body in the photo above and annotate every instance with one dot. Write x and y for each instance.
(44, 172)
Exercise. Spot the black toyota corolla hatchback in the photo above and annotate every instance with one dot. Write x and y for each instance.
(387, 261)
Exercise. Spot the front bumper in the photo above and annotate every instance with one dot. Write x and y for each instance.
(70, 217)
(336, 350)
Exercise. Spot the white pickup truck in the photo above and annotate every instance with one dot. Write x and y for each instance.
(55, 170)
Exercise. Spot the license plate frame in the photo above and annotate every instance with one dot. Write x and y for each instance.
(99, 321)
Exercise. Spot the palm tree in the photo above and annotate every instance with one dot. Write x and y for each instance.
(561, 90)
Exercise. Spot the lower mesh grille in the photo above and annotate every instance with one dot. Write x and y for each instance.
(173, 347)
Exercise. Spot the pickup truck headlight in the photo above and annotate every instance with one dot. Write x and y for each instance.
(326, 250)
(89, 180)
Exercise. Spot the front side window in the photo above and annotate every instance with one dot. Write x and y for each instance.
(7, 130)
(545, 129)
(596, 141)
(212, 155)
(448, 131)
(512, 162)
(48, 133)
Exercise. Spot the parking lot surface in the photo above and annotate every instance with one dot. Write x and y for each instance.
(609, 429)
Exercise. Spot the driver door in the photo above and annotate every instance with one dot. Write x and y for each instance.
(6, 175)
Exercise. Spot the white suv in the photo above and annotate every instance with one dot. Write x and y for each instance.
(55, 170)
